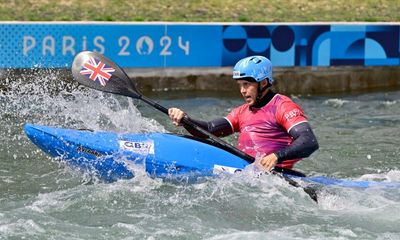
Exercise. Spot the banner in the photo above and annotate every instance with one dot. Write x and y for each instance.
(161, 45)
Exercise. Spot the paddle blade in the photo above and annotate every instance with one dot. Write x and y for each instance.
(98, 72)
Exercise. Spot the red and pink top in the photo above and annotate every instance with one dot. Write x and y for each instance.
(265, 130)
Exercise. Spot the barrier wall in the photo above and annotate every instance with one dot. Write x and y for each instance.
(166, 45)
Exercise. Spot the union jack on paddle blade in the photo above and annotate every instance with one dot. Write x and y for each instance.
(96, 70)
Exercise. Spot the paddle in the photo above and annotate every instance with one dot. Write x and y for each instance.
(98, 72)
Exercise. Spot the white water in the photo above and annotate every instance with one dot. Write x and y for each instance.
(42, 199)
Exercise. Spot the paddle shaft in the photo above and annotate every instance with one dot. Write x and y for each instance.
(186, 121)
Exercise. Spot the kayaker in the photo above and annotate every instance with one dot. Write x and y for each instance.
(272, 128)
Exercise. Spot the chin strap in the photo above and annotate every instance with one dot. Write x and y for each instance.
(260, 92)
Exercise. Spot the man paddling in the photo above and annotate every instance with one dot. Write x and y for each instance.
(272, 128)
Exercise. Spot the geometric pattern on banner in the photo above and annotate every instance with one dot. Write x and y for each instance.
(313, 45)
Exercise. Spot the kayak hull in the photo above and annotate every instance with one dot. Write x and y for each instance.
(111, 156)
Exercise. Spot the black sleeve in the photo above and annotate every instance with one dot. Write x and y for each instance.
(304, 144)
(219, 127)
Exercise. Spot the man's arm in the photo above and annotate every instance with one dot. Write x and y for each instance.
(220, 127)
(304, 144)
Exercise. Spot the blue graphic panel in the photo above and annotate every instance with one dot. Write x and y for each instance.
(284, 45)
(194, 45)
(382, 45)
(234, 40)
(315, 45)
(140, 45)
(26, 45)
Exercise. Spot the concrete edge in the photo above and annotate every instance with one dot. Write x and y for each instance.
(291, 80)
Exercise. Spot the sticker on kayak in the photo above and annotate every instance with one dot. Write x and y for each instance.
(143, 148)
(218, 169)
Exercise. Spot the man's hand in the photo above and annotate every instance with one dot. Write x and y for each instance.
(267, 163)
(176, 115)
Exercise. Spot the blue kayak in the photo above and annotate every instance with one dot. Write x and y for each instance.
(110, 156)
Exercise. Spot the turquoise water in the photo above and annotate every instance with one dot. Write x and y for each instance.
(43, 199)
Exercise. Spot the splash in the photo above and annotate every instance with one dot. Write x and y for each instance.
(46, 97)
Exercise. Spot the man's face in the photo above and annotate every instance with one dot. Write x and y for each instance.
(248, 91)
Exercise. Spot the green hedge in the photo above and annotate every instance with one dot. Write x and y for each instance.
(201, 10)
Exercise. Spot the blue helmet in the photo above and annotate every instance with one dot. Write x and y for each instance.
(255, 67)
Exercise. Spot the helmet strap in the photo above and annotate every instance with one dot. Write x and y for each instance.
(260, 90)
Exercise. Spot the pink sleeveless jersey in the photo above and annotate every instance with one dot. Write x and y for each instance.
(265, 130)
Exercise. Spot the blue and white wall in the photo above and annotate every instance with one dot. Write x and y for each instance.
(27, 45)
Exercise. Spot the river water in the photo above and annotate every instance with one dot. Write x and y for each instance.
(43, 199)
